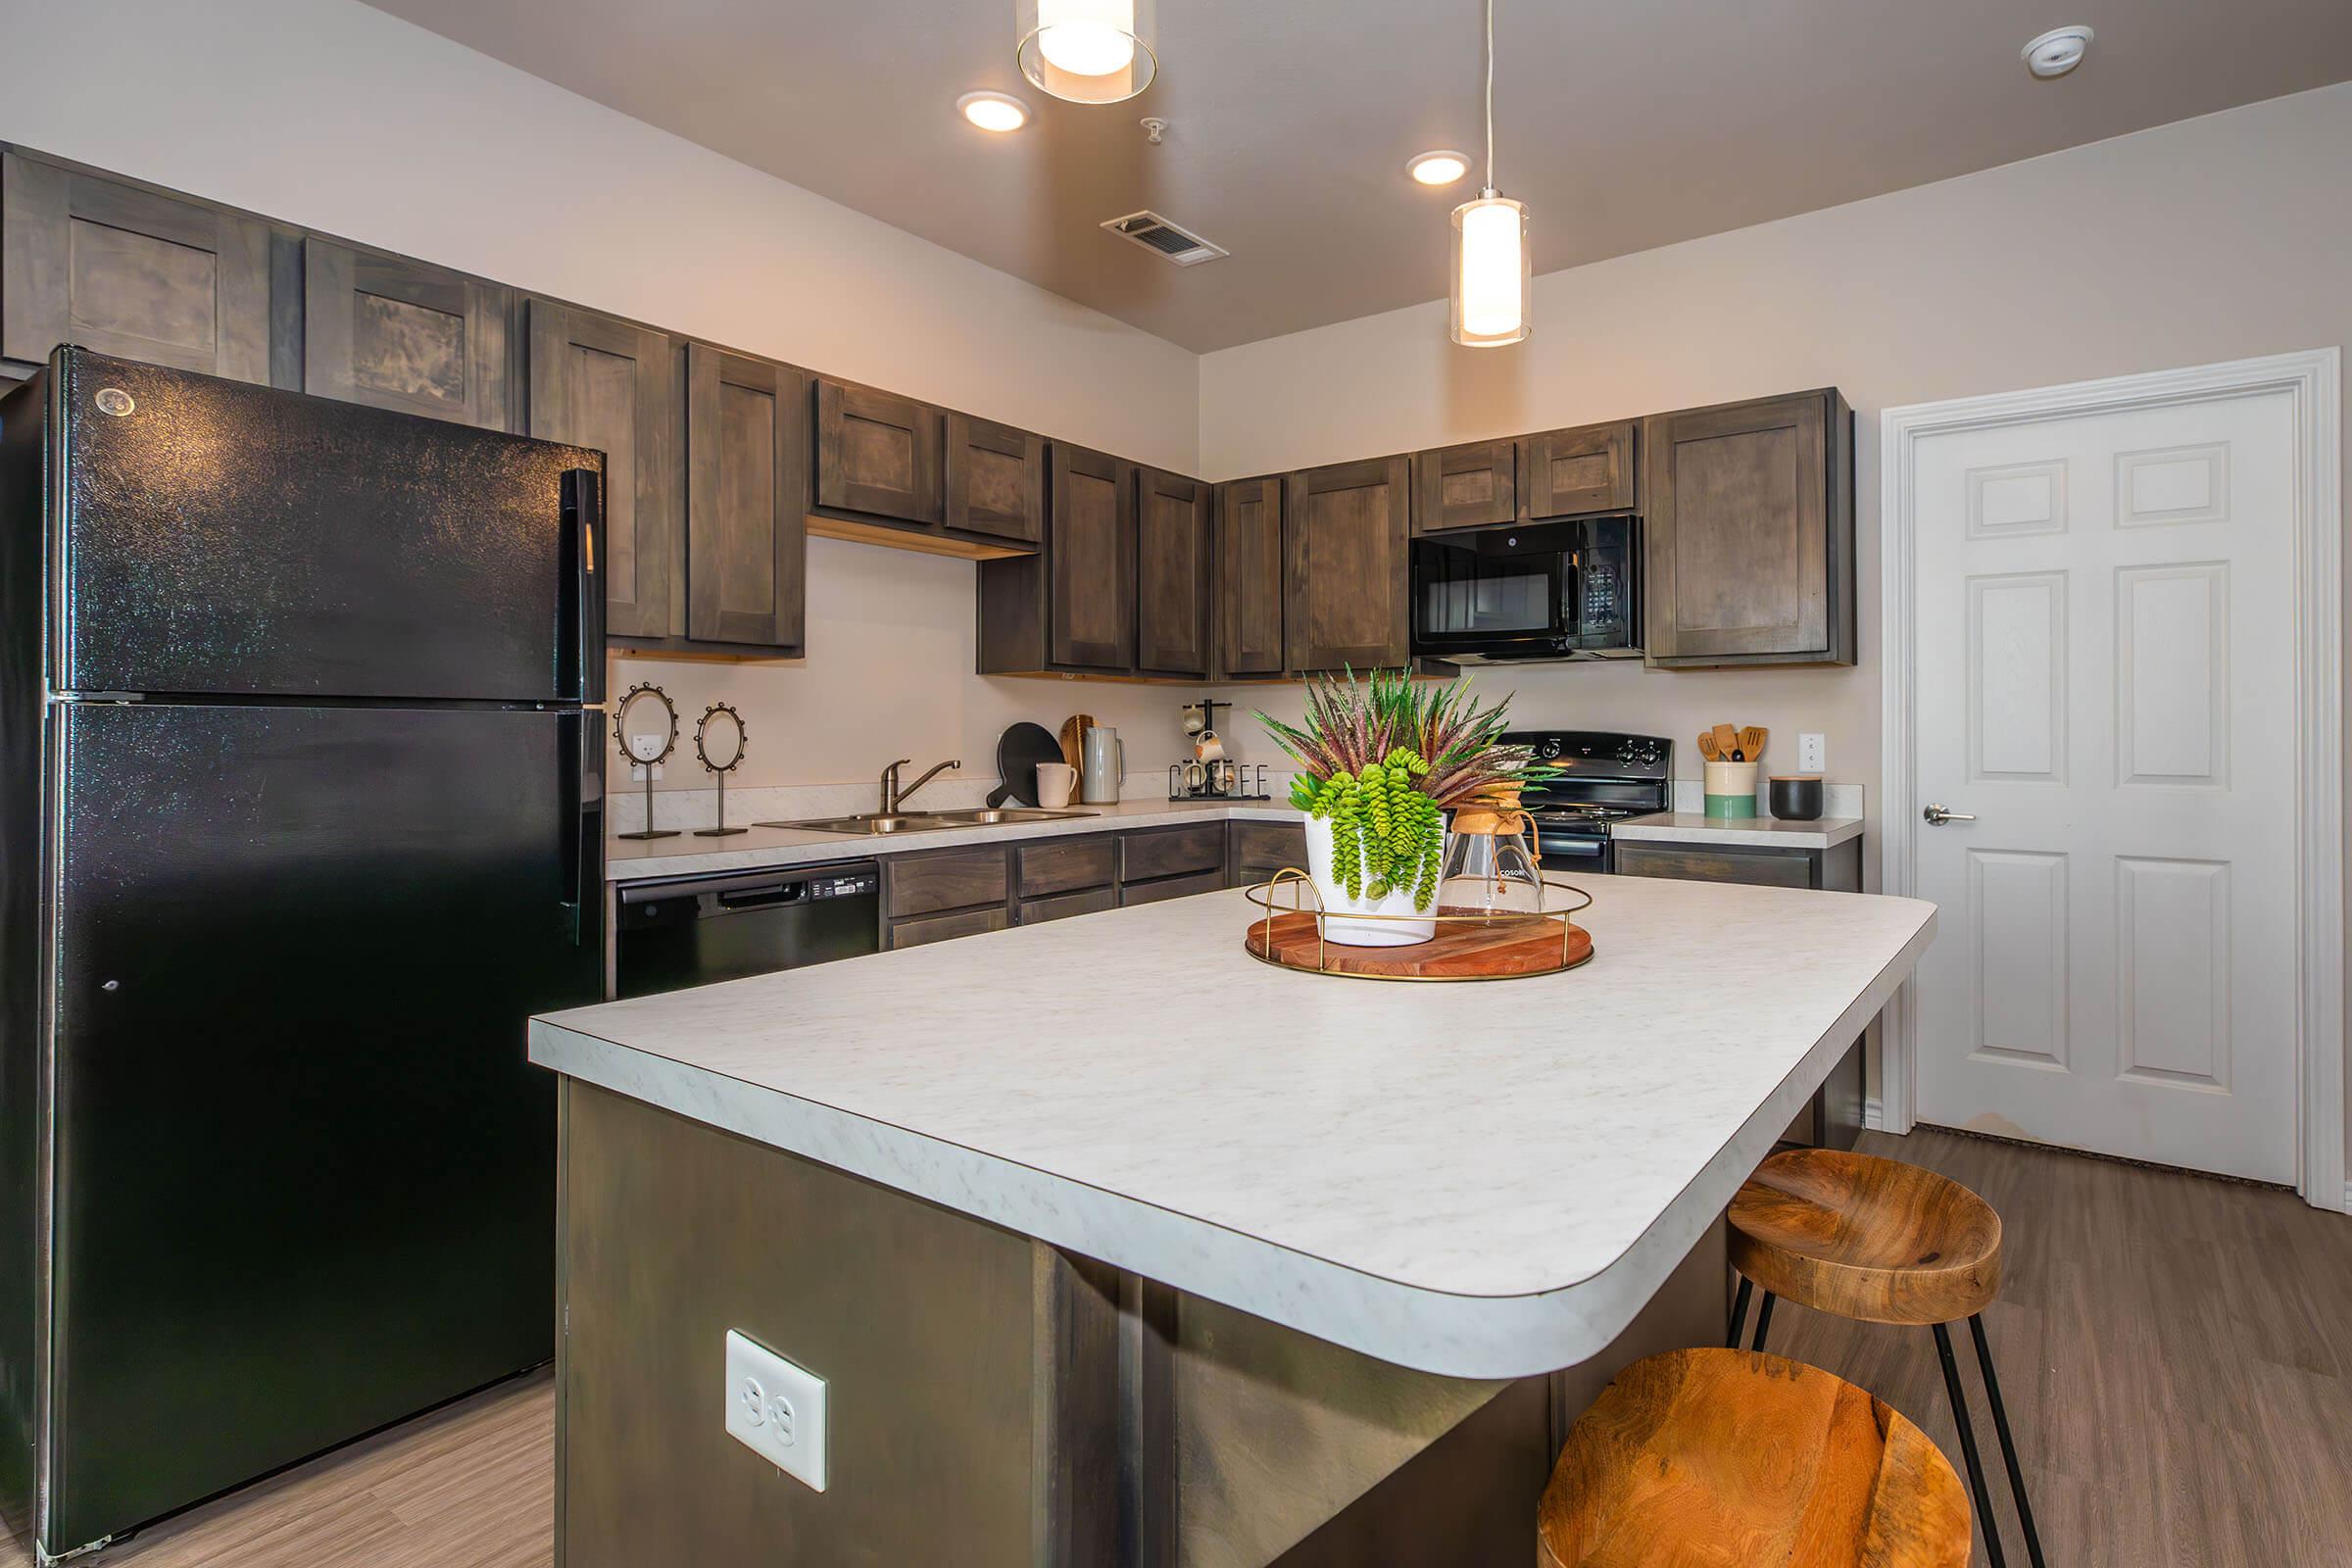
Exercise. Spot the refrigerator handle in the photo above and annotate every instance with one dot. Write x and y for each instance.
(582, 764)
(581, 640)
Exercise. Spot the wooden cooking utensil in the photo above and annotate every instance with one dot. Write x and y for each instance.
(1727, 740)
(1707, 747)
(1751, 741)
(1073, 737)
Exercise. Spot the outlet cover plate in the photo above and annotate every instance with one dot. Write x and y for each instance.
(1812, 754)
(776, 1409)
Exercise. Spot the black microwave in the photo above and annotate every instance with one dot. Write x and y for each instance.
(1534, 591)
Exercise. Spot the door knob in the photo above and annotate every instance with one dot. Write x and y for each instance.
(1936, 815)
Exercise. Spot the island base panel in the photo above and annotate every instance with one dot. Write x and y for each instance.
(995, 1400)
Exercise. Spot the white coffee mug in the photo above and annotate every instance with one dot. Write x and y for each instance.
(1055, 781)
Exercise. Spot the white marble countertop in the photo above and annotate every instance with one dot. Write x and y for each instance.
(1481, 1180)
(1765, 831)
(635, 859)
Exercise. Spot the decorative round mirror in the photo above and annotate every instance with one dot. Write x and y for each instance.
(645, 726)
(718, 740)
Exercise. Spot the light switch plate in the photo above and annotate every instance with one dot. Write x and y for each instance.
(1812, 754)
(776, 1409)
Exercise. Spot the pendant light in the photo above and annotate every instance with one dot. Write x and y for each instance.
(1087, 51)
(1490, 250)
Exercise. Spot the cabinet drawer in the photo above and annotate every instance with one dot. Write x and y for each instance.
(1066, 864)
(1094, 900)
(1171, 887)
(1259, 850)
(946, 927)
(951, 879)
(1171, 852)
(1691, 862)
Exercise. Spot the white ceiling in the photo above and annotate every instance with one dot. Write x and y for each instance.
(1623, 123)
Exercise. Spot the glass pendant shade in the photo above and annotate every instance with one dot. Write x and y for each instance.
(1490, 869)
(1088, 51)
(1489, 271)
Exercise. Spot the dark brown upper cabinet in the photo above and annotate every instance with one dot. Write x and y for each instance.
(1750, 519)
(1173, 583)
(746, 473)
(131, 272)
(1566, 473)
(1248, 599)
(878, 454)
(995, 479)
(1474, 486)
(1346, 527)
(1091, 551)
(393, 333)
(612, 385)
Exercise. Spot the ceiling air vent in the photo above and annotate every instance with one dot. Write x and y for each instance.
(1157, 234)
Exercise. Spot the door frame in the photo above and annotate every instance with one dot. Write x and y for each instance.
(2312, 381)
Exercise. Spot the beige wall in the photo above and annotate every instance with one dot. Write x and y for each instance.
(339, 118)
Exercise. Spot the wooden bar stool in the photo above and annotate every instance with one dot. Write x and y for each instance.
(1713, 1459)
(1860, 1237)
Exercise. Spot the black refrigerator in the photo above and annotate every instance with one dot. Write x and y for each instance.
(301, 817)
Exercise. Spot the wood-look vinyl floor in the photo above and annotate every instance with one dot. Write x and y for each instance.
(2177, 1356)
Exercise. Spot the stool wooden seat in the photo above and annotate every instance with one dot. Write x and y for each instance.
(1866, 1238)
(1714, 1458)
(1860, 1237)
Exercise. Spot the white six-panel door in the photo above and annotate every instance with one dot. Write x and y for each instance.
(2104, 681)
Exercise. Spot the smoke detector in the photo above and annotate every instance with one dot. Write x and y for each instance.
(2056, 52)
(1158, 235)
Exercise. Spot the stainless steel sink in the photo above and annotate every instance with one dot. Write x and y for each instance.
(875, 825)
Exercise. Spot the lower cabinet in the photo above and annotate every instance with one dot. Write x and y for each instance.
(1171, 887)
(945, 927)
(1837, 868)
(1061, 906)
(1256, 850)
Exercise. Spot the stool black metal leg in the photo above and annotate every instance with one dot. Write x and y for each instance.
(1738, 1313)
(2000, 1424)
(1968, 1446)
(1763, 1320)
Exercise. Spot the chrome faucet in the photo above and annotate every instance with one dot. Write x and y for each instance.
(894, 799)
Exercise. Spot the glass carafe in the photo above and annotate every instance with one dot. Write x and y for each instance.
(1490, 867)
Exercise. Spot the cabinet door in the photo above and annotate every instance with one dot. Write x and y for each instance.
(130, 272)
(1347, 526)
(1250, 577)
(878, 453)
(398, 334)
(1171, 574)
(1564, 473)
(1467, 487)
(746, 537)
(602, 383)
(1092, 554)
(1739, 531)
(995, 480)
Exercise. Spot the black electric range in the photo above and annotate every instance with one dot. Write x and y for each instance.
(1605, 777)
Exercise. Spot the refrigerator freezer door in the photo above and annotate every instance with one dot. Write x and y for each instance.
(305, 1174)
(220, 538)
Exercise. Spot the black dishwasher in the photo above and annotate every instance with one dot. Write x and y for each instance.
(695, 931)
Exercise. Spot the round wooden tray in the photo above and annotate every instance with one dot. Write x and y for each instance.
(1466, 947)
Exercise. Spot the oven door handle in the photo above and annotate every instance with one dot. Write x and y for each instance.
(1570, 847)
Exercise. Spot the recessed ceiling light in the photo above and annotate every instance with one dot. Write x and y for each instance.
(1440, 168)
(2056, 52)
(994, 111)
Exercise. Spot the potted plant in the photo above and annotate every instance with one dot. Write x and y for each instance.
(1380, 763)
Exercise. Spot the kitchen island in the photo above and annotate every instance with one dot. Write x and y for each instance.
(1115, 1246)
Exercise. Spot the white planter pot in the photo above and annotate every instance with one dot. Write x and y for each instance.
(1338, 906)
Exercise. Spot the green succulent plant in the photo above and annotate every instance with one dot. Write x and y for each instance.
(1383, 761)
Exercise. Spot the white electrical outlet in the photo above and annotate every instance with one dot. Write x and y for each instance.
(1812, 754)
(637, 772)
(776, 1409)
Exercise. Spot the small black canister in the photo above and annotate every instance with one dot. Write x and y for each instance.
(1797, 797)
